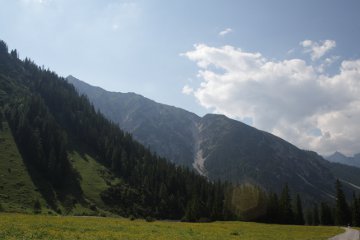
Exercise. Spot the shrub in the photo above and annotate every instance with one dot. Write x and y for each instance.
(37, 207)
(149, 219)
(93, 207)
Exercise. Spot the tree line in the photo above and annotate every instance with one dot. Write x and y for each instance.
(281, 210)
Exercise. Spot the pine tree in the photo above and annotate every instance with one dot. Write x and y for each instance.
(3, 48)
(14, 54)
(355, 211)
(299, 216)
(287, 214)
(309, 217)
(1, 119)
(273, 209)
(326, 216)
(342, 217)
(37, 207)
(358, 213)
(192, 211)
(316, 219)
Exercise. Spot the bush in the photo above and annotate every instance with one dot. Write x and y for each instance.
(1, 208)
(132, 217)
(204, 220)
(58, 211)
(93, 207)
(149, 219)
(37, 207)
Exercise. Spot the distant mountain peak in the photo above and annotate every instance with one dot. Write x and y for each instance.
(338, 154)
(214, 145)
(339, 157)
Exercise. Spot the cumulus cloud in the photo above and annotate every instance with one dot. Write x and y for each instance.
(187, 90)
(317, 49)
(225, 32)
(289, 98)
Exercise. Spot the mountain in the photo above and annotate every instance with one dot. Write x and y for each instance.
(341, 158)
(218, 147)
(58, 155)
(166, 129)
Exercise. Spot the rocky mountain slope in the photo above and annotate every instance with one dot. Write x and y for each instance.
(341, 158)
(218, 147)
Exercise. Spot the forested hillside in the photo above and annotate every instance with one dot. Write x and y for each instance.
(218, 147)
(50, 122)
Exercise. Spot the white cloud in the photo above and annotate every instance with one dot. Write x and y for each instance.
(289, 98)
(326, 63)
(317, 49)
(225, 32)
(187, 90)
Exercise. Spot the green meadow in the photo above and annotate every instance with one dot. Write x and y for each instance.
(21, 226)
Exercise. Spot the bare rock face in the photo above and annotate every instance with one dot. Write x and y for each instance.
(220, 148)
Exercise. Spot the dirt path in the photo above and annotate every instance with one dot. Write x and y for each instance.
(349, 234)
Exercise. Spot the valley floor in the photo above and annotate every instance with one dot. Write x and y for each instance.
(19, 226)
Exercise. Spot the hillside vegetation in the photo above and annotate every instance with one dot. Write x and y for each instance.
(72, 160)
(17, 191)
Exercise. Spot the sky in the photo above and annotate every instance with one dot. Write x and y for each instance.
(291, 68)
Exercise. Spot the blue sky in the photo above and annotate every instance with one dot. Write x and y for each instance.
(173, 52)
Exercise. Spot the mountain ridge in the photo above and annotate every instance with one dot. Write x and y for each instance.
(338, 157)
(219, 147)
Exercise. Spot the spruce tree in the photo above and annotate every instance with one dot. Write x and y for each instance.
(3, 48)
(192, 210)
(37, 207)
(1, 119)
(316, 219)
(299, 217)
(287, 214)
(358, 213)
(309, 217)
(326, 216)
(355, 211)
(273, 209)
(342, 217)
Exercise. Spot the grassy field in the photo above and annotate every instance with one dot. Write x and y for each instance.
(17, 191)
(17, 226)
(94, 176)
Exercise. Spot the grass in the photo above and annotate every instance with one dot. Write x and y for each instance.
(17, 191)
(17, 226)
(94, 177)
(18, 194)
